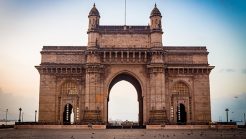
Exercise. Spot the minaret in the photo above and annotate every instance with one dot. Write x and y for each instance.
(156, 27)
(93, 33)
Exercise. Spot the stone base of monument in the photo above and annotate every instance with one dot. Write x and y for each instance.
(59, 127)
(177, 126)
(191, 126)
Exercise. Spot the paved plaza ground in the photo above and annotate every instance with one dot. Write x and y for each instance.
(121, 134)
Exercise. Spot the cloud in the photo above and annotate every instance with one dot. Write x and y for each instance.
(244, 71)
(229, 70)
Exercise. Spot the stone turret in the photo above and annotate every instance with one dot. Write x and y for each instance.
(156, 27)
(93, 35)
(94, 18)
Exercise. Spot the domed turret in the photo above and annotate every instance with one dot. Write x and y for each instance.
(94, 11)
(93, 28)
(94, 17)
(156, 27)
(155, 19)
(155, 12)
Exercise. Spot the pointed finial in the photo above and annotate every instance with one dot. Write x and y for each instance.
(155, 5)
(94, 5)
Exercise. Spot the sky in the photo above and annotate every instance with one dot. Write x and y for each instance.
(27, 25)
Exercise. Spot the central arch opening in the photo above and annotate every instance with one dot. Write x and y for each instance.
(122, 107)
(123, 104)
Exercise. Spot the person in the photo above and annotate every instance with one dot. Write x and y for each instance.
(90, 126)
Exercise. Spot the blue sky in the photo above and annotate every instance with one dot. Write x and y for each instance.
(27, 25)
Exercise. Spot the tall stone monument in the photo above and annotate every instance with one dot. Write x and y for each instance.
(172, 82)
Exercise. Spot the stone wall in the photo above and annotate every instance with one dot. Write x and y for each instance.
(156, 70)
(202, 109)
(124, 41)
(63, 58)
(47, 98)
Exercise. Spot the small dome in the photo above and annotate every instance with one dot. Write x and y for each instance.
(94, 11)
(155, 12)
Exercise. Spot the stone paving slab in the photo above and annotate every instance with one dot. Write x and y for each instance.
(59, 127)
(121, 134)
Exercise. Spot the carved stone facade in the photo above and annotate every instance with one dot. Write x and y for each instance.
(172, 82)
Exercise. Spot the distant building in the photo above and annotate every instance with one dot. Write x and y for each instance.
(172, 82)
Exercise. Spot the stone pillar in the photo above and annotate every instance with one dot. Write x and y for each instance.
(93, 112)
(94, 93)
(105, 109)
(157, 110)
(157, 87)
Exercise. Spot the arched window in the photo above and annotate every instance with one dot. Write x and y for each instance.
(180, 88)
(69, 88)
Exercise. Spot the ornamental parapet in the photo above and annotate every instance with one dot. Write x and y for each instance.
(124, 56)
(124, 29)
(185, 50)
(64, 49)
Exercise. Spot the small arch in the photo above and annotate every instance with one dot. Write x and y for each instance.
(181, 114)
(181, 102)
(68, 117)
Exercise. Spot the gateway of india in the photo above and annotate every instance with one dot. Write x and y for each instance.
(172, 83)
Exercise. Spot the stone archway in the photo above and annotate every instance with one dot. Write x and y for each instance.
(119, 50)
(181, 114)
(67, 114)
(131, 79)
(181, 103)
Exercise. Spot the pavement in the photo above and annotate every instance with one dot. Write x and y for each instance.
(121, 134)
